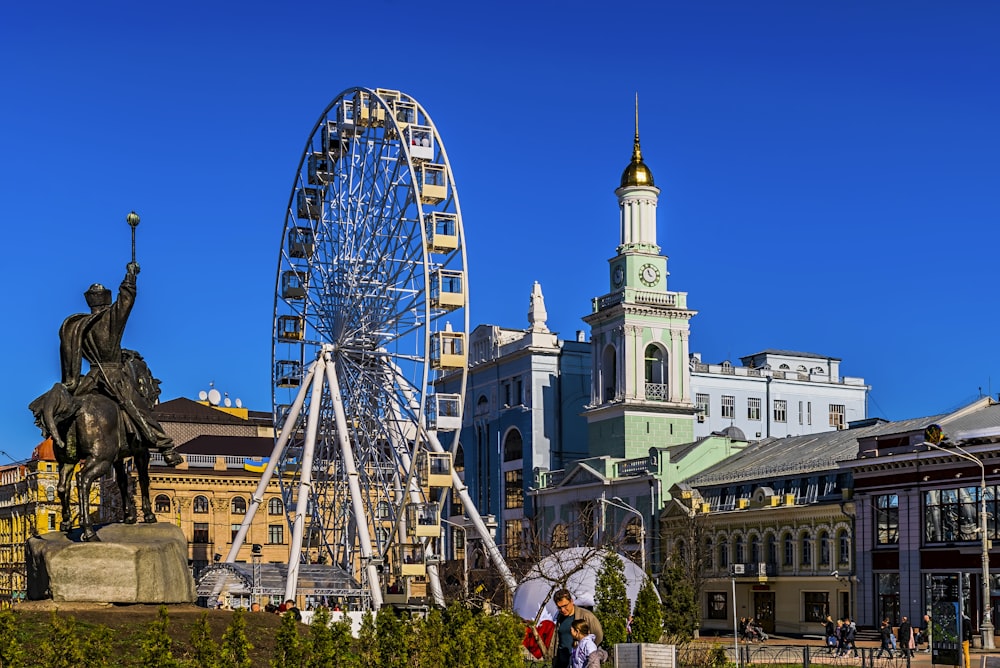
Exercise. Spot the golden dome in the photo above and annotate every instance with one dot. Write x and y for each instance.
(637, 173)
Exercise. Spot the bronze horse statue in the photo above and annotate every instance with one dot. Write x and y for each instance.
(91, 430)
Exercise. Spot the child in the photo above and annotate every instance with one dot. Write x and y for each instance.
(584, 645)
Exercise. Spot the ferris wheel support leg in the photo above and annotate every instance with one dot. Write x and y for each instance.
(357, 502)
(305, 483)
(434, 583)
(272, 464)
(477, 521)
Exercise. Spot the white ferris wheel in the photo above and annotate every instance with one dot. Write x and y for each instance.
(371, 304)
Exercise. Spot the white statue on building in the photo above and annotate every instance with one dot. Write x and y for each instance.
(536, 310)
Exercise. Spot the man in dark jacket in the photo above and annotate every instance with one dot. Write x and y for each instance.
(904, 636)
(568, 611)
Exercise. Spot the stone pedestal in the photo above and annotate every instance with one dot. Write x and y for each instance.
(137, 563)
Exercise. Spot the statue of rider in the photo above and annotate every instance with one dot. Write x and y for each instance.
(97, 338)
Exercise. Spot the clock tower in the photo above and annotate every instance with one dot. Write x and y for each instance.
(640, 379)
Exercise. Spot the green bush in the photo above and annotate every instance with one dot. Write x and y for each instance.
(236, 647)
(611, 599)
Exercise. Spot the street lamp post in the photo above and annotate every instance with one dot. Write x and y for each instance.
(617, 502)
(986, 626)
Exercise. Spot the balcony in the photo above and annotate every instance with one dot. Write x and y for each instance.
(657, 392)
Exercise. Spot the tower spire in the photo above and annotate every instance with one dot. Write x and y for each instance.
(636, 151)
(637, 173)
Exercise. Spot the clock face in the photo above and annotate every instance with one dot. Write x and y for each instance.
(619, 276)
(649, 274)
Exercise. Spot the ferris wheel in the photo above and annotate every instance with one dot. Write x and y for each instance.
(371, 306)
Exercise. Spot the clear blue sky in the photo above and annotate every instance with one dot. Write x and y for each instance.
(829, 171)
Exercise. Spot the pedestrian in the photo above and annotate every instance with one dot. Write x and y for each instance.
(886, 638)
(925, 632)
(569, 611)
(292, 610)
(628, 629)
(905, 637)
(830, 631)
(852, 632)
(584, 644)
(966, 638)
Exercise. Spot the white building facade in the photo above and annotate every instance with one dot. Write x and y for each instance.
(776, 393)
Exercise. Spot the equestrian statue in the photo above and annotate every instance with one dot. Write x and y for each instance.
(100, 418)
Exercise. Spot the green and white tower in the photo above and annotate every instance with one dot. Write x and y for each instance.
(641, 381)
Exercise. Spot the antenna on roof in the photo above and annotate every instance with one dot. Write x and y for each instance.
(214, 397)
(203, 396)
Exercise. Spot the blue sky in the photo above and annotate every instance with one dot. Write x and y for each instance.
(829, 171)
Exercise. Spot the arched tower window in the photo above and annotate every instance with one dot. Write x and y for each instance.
(239, 506)
(656, 365)
(512, 446)
(200, 504)
(609, 375)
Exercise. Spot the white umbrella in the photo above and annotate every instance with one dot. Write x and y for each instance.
(576, 569)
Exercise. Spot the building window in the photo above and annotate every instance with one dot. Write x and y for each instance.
(723, 554)
(233, 530)
(740, 553)
(887, 519)
(888, 595)
(655, 366)
(789, 550)
(162, 503)
(382, 511)
(824, 549)
(200, 534)
(952, 514)
(755, 550)
(718, 605)
(239, 506)
(816, 605)
(512, 531)
(276, 534)
(843, 548)
(807, 551)
(518, 392)
(753, 408)
(772, 550)
(274, 506)
(728, 407)
(809, 412)
(514, 489)
(52, 521)
(780, 410)
(837, 416)
(609, 375)
(702, 402)
(709, 555)
(200, 504)
(560, 537)
(513, 445)
(800, 412)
